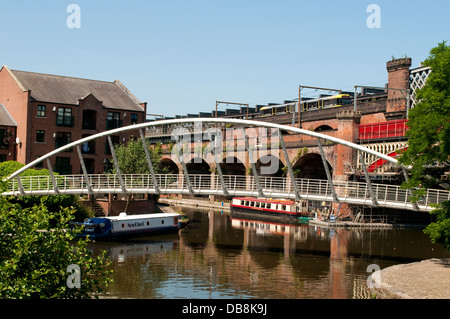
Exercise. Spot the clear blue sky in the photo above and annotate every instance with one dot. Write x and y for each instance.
(182, 56)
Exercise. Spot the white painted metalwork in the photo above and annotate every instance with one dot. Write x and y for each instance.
(384, 148)
(417, 79)
(239, 122)
(237, 185)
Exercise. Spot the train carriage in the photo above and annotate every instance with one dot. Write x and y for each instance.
(337, 100)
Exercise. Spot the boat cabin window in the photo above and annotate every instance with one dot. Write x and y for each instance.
(242, 202)
(283, 207)
(263, 205)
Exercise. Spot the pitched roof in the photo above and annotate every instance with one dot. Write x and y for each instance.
(68, 90)
(5, 118)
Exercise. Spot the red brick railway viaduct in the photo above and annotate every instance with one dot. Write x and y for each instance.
(343, 122)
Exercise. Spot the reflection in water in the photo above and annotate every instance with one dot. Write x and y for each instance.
(219, 256)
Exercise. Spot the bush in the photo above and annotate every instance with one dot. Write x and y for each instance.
(36, 249)
(439, 231)
(53, 203)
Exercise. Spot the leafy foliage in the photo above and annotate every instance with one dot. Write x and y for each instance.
(36, 247)
(9, 167)
(439, 232)
(429, 121)
(53, 203)
(132, 160)
(429, 138)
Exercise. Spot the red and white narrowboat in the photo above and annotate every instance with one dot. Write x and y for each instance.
(270, 207)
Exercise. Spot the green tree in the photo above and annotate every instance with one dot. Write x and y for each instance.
(439, 231)
(132, 160)
(428, 151)
(36, 249)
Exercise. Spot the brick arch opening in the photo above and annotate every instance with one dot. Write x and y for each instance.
(198, 165)
(232, 166)
(323, 128)
(270, 165)
(171, 166)
(310, 166)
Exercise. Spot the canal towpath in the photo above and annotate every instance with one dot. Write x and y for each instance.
(426, 279)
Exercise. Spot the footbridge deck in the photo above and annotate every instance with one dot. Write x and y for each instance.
(357, 193)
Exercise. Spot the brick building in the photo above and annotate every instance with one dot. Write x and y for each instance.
(41, 112)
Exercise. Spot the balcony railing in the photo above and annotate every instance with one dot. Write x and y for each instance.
(383, 130)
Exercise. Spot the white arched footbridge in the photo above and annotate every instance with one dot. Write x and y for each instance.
(253, 185)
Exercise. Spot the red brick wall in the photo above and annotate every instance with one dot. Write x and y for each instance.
(15, 100)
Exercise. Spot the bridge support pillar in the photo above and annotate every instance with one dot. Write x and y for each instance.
(348, 129)
(342, 209)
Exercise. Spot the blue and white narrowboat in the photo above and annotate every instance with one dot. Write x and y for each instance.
(130, 225)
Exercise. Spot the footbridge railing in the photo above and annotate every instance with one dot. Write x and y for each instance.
(235, 185)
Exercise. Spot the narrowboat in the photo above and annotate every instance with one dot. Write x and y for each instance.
(129, 225)
(271, 208)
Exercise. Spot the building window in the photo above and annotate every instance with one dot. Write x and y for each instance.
(40, 136)
(2, 158)
(113, 120)
(64, 117)
(90, 166)
(41, 111)
(63, 138)
(62, 165)
(89, 119)
(134, 118)
(4, 143)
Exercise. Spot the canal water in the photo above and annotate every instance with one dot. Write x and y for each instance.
(218, 256)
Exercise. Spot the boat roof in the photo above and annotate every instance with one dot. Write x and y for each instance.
(267, 200)
(142, 216)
